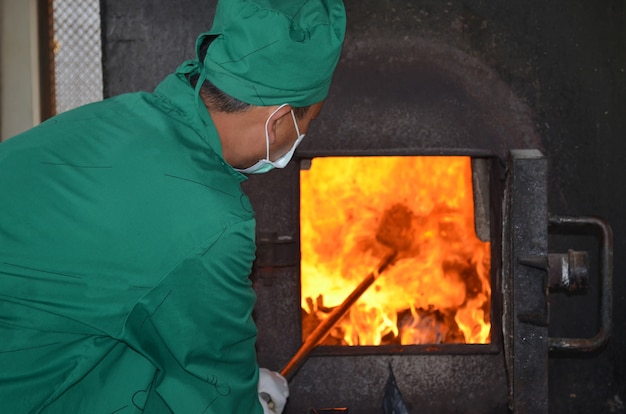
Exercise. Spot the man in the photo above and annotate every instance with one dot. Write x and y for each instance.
(125, 239)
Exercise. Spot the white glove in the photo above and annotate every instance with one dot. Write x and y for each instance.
(273, 391)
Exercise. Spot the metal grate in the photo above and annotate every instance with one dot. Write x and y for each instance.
(77, 53)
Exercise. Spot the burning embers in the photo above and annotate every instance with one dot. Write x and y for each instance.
(418, 214)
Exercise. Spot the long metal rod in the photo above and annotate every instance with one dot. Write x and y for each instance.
(324, 328)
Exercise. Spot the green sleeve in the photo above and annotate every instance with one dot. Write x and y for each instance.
(196, 327)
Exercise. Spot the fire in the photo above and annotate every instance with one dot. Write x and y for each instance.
(436, 291)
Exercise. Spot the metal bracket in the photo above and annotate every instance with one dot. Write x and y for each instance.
(606, 280)
(274, 251)
(569, 271)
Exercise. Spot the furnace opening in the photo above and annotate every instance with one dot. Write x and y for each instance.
(436, 288)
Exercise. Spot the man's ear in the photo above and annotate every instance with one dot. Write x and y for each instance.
(283, 114)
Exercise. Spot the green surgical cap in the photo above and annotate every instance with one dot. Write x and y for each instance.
(270, 52)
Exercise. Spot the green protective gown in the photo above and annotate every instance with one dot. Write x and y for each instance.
(126, 245)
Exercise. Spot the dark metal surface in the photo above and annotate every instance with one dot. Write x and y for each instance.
(145, 40)
(525, 283)
(468, 384)
(426, 94)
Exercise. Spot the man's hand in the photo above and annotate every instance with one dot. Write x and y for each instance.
(273, 391)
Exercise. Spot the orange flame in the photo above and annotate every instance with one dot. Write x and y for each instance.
(438, 291)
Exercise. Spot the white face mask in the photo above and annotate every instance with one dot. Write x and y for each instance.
(265, 165)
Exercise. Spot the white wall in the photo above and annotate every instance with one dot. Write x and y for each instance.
(19, 67)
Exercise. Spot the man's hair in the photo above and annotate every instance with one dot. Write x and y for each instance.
(219, 100)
